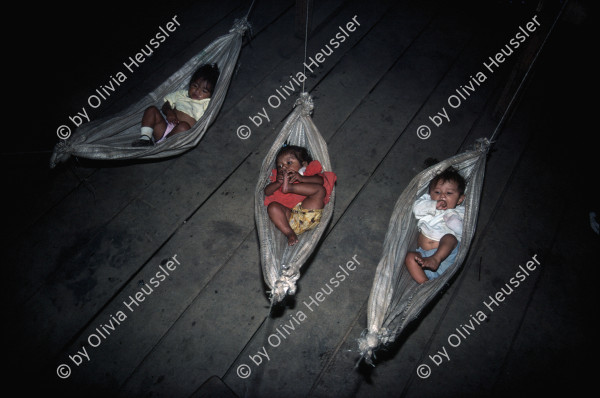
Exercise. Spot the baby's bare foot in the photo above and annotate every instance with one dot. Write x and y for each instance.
(286, 184)
(429, 263)
(292, 238)
(419, 259)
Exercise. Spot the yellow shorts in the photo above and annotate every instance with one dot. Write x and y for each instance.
(302, 220)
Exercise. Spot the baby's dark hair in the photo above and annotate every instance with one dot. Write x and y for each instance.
(299, 152)
(208, 72)
(450, 174)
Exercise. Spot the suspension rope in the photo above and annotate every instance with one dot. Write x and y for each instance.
(305, 45)
(508, 107)
(250, 9)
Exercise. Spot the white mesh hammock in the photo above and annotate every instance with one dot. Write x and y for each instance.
(281, 263)
(110, 138)
(396, 299)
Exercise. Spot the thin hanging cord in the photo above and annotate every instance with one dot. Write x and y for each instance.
(250, 9)
(25, 153)
(501, 122)
(305, 45)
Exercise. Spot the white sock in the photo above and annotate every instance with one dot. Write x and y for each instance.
(147, 133)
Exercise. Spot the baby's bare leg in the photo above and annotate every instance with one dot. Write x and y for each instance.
(152, 118)
(280, 215)
(414, 268)
(447, 244)
(180, 128)
(315, 193)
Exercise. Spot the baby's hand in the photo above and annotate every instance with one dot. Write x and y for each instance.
(294, 176)
(172, 117)
(441, 205)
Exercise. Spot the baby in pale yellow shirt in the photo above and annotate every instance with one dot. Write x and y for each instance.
(181, 109)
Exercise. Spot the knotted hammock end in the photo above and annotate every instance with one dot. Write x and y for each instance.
(283, 286)
(240, 26)
(306, 102)
(62, 152)
(369, 342)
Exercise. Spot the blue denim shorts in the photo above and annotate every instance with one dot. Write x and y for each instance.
(443, 266)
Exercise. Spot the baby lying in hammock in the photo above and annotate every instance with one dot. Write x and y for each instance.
(298, 192)
(181, 109)
(440, 226)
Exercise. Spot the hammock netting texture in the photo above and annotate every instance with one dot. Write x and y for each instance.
(281, 263)
(110, 138)
(396, 299)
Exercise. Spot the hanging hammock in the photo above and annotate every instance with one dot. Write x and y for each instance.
(281, 263)
(110, 138)
(396, 299)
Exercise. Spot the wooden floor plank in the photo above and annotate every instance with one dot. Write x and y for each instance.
(88, 245)
(194, 249)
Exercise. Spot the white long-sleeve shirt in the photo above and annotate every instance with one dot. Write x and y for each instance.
(435, 223)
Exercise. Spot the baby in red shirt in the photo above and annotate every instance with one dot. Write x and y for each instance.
(298, 192)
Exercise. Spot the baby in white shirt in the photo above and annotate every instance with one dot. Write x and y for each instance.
(181, 109)
(440, 226)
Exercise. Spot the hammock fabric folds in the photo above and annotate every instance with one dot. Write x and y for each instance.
(281, 263)
(396, 299)
(110, 138)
